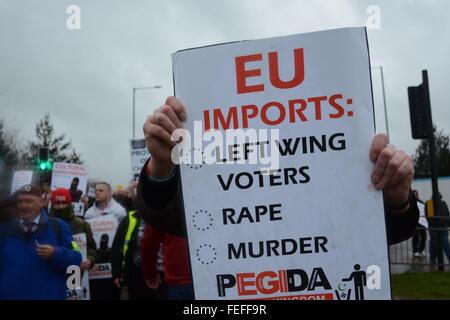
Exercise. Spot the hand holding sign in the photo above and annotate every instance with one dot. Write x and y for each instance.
(86, 265)
(393, 172)
(158, 130)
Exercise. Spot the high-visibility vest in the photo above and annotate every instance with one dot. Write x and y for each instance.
(430, 208)
(75, 246)
(132, 221)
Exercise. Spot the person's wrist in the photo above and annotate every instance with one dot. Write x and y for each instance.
(159, 169)
(401, 205)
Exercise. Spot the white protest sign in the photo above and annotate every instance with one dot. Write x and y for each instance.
(101, 271)
(70, 176)
(83, 292)
(139, 155)
(21, 178)
(313, 226)
(103, 230)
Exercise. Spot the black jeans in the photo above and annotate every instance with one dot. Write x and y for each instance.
(104, 289)
(419, 239)
(433, 245)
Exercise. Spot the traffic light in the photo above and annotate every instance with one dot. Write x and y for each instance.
(44, 162)
(420, 109)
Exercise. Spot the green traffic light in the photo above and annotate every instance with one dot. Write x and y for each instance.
(45, 165)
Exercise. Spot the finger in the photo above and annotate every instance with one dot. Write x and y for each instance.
(163, 121)
(170, 113)
(152, 130)
(382, 161)
(405, 172)
(178, 107)
(379, 142)
(155, 284)
(391, 168)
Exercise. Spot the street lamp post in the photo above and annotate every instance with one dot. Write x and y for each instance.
(134, 104)
(384, 99)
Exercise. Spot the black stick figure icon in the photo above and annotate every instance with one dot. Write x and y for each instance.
(360, 280)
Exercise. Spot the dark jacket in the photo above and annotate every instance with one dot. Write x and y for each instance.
(119, 269)
(440, 219)
(165, 204)
(78, 225)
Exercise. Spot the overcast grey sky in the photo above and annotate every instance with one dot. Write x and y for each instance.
(84, 78)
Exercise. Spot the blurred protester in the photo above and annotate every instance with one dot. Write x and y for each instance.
(125, 197)
(439, 226)
(35, 252)
(420, 234)
(160, 188)
(177, 272)
(126, 259)
(104, 289)
(105, 204)
(62, 209)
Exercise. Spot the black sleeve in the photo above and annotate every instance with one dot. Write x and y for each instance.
(117, 247)
(401, 226)
(161, 203)
(446, 212)
(90, 242)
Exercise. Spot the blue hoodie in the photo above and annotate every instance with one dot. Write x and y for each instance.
(26, 276)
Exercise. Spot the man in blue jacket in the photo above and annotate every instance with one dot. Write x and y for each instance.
(35, 251)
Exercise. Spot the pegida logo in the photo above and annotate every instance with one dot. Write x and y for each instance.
(270, 282)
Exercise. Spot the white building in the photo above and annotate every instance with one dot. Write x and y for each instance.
(423, 186)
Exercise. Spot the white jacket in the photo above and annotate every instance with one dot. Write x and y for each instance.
(113, 208)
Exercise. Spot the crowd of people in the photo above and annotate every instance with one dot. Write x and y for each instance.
(37, 246)
(436, 225)
(149, 255)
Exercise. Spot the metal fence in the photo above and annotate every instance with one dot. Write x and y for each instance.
(415, 255)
